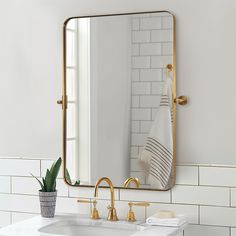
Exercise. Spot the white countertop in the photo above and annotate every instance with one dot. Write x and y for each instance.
(31, 227)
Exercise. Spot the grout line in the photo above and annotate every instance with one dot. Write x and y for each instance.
(40, 168)
(11, 184)
(198, 175)
(199, 214)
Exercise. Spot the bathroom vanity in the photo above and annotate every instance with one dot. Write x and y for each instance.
(79, 225)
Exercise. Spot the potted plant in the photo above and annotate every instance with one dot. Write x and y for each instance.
(48, 192)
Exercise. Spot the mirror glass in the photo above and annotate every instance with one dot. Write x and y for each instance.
(120, 116)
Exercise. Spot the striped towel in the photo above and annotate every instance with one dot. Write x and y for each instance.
(158, 150)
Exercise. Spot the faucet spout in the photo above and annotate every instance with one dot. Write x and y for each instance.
(131, 179)
(112, 216)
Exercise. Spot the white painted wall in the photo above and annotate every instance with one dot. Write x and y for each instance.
(31, 56)
(110, 97)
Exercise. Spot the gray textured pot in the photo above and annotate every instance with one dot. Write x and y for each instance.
(47, 203)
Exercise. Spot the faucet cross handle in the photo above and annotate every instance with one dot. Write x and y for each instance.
(94, 212)
(131, 215)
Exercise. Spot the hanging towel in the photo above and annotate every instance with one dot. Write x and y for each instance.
(157, 156)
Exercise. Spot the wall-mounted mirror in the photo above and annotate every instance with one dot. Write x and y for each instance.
(118, 110)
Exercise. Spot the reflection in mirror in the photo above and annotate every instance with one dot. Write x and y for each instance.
(120, 116)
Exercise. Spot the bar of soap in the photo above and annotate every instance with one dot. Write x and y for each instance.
(165, 214)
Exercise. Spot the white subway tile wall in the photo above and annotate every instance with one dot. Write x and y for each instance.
(210, 208)
(152, 37)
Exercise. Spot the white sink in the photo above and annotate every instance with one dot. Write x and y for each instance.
(86, 227)
(80, 225)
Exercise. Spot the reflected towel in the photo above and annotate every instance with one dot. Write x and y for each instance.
(157, 157)
(173, 222)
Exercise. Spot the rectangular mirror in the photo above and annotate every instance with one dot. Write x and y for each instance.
(118, 91)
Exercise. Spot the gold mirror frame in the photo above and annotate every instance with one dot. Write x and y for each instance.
(63, 101)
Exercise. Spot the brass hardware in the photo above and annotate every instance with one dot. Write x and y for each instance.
(94, 212)
(131, 179)
(63, 102)
(64, 92)
(112, 216)
(181, 100)
(169, 67)
(131, 215)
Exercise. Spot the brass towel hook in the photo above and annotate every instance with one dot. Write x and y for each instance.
(181, 100)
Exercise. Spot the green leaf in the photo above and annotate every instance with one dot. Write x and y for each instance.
(68, 177)
(41, 184)
(49, 181)
(45, 185)
(77, 182)
(55, 168)
(54, 186)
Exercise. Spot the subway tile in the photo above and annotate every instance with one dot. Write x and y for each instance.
(223, 216)
(217, 176)
(162, 36)
(5, 184)
(135, 24)
(135, 126)
(167, 49)
(150, 49)
(146, 126)
(135, 49)
(135, 101)
(19, 167)
(216, 196)
(233, 197)
(134, 152)
(150, 23)
(141, 36)
(85, 192)
(5, 218)
(233, 232)
(196, 230)
(46, 164)
(149, 196)
(135, 75)
(151, 75)
(150, 101)
(187, 175)
(26, 185)
(140, 88)
(167, 22)
(70, 205)
(157, 88)
(190, 211)
(141, 114)
(141, 62)
(20, 203)
(18, 216)
(161, 61)
(138, 139)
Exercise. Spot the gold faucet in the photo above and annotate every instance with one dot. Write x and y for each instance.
(112, 216)
(131, 179)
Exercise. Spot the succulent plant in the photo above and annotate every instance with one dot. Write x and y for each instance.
(68, 178)
(48, 183)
